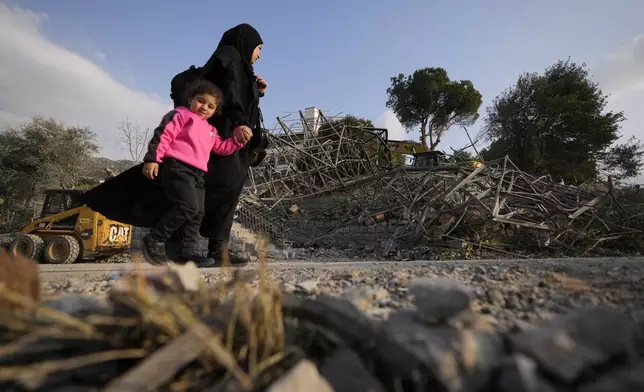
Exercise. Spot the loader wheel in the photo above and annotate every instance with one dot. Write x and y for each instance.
(28, 245)
(63, 249)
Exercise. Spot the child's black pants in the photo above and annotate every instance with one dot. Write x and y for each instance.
(184, 188)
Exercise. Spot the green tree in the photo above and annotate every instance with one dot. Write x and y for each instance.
(430, 100)
(624, 160)
(557, 123)
(462, 156)
(348, 120)
(42, 153)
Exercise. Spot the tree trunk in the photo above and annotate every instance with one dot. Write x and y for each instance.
(423, 134)
(434, 143)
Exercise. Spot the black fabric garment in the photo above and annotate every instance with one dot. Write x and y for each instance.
(245, 39)
(180, 83)
(230, 69)
(130, 198)
(220, 204)
(183, 187)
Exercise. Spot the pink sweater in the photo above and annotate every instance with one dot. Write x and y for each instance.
(184, 136)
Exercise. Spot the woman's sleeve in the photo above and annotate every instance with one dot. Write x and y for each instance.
(256, 139)
(226, 76)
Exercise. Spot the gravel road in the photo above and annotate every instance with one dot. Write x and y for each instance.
(514, 294)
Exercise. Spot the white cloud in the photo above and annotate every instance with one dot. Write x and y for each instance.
(623, 71)
(621, 75)
(395, 129)
(41, 78)
(100, 55)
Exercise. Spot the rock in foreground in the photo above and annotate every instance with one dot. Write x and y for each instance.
(170, 332)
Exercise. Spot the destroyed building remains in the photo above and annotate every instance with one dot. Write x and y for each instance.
(330, 182)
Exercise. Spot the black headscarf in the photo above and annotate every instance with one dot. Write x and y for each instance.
(245, 39)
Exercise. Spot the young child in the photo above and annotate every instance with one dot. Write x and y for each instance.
(178, 154)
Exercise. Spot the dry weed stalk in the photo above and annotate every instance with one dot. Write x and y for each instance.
(158, 312)
(28, 306)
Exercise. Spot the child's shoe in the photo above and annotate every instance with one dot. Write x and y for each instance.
(154, 250)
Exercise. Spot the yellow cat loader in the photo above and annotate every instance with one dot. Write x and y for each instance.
(68, 231)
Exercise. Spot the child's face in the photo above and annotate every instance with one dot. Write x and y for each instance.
(203, 105)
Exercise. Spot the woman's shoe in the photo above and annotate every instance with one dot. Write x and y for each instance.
(233, 259)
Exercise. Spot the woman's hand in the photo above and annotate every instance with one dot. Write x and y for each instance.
(242, 134)
(150, 170)
(262, 84)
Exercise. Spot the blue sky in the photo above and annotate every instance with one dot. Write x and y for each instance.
(335, 55)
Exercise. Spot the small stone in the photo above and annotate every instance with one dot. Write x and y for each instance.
(512, 302)
(288, 288)
(308, 286)
(496, 297)
(302, 377)
(380, 313)
(478, 278)
(573, 343)
(621, 380)
(188, 275)
(277, 254)
(521, 326)
(365, 298)
(341, 276)
(345, 371)
(473, 321)
(638, 316)
(458, 361)
(439, 299)
(479, 270)
(79, 305)
(401, 278)
(518, 374)
(249, 248)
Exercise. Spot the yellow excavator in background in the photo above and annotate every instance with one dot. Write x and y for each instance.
(67, 231)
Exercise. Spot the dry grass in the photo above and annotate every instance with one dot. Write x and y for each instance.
(230, 331)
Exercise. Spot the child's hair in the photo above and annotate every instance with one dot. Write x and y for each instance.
(202, 86)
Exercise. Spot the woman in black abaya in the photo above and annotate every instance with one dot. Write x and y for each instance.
(132, 199)
(231, 68)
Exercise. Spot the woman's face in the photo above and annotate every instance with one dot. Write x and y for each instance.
(257, 53)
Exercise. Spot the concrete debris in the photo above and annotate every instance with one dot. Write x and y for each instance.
(337, 184)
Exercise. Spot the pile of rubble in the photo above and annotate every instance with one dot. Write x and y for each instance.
(231, 337)
(334, 184)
